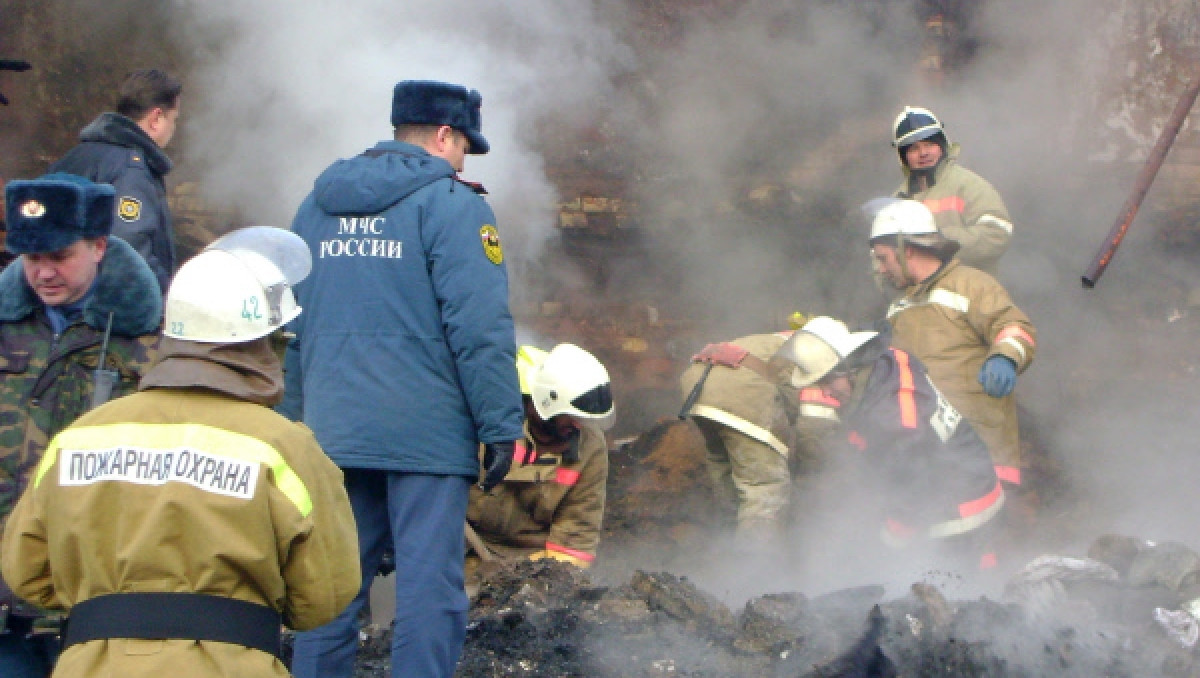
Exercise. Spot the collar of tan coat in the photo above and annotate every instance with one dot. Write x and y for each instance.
(248, 371)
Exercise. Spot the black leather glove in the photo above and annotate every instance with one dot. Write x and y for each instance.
(497, 459)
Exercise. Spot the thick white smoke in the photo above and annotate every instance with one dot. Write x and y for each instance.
(281, 89)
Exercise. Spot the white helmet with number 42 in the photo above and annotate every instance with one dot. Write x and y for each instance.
(239, 288)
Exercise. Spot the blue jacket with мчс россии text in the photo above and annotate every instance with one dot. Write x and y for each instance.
(404, 356)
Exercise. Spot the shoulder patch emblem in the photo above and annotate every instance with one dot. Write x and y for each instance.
(491, 244)
(129, 209)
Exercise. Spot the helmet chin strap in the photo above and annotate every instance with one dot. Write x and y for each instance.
(544, 433)
(902, 258)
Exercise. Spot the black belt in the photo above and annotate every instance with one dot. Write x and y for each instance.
(162, 616)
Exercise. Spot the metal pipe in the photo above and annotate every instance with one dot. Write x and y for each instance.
(1149, 170)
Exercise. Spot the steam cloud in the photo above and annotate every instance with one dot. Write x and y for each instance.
(798, 98)
(283, 89)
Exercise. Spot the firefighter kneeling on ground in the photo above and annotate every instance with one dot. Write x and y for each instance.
(551, 503)
(908, 444)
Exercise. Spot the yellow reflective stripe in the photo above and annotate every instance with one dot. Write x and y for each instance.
(179, 436)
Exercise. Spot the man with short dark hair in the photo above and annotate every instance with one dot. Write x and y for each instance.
(125, 149)
(78, 318)
(403, 363)
(965, 206)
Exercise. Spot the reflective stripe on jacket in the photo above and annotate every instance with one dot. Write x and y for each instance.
(967, 209)
(184, 491)
(933, 467)
(554, 506)
(952, 323)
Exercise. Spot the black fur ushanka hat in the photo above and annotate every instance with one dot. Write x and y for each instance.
(53, 211)
(428, 102)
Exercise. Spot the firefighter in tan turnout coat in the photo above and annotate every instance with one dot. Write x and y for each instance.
(739, 400)
(551, 503)
(960, 322)
(966, 207)
(181, 525)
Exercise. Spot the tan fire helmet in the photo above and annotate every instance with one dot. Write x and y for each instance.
(820, 346)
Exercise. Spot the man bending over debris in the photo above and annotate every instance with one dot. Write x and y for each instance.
(931, 468)
(551, 503)
(739, 400)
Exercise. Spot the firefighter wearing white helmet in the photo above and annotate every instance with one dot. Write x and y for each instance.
(551, 503)
(960, 322)
(270, 535)
(231, 293)
(914, 449)
(966, 208)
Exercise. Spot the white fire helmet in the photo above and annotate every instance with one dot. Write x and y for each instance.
(894, 216)
(568, 380)
(914, 124)
(238, 288)
(820, 346)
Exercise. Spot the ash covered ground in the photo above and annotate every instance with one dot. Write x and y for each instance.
(1061, 616)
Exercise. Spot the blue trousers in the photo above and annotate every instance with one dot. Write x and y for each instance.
(422, 517)
(25, 656)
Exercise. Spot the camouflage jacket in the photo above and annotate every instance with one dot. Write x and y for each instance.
(46, 380)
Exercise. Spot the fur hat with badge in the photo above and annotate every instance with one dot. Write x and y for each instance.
(427, 102)
(53, 211)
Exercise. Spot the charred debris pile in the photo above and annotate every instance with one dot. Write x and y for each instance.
(1118, 611)
(1060, 617)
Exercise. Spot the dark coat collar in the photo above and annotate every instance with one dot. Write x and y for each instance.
(125, 286)
(114, 128)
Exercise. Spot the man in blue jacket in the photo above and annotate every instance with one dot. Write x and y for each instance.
(402, 363)
(125, 149)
